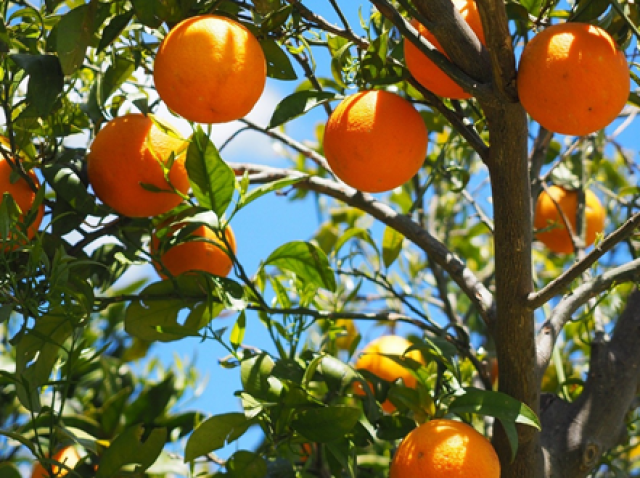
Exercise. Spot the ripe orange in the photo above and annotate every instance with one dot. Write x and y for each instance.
(375, 141)
(373, 359)
(210, 69)
(206, 255)
(445, 448)
(126, 154)
(557, 237)
(573, 79)
(425, 71)
(21, 193)
(67, 455)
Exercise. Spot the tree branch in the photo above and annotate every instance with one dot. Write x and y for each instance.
(461, 275)
(560, 283)
(574, 436)
(561, 314)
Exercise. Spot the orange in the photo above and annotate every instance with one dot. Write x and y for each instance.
(547, 216)
(573, 79)
(210, 69)
(375, 141)
(67, 455)
(207, 254)
(445, 448)
(21, 193)
(126, 154)
(346, 338)
(373, 359)
(425, 71)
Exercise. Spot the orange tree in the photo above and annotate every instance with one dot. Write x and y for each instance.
(448, 257)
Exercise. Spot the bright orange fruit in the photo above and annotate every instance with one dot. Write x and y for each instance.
(21, 193)
(67, 455)
(547, 216)
(206, 255)
(445, 448)
(425, 71)
(573, 79)
(127, 153)
(375, 141)
(210, 69)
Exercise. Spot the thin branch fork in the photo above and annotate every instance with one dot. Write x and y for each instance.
(560, 283)
(561, 314)
(479, 295)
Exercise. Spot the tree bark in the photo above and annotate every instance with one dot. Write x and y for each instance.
(575, 435)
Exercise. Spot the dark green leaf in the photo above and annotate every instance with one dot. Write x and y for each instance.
(114, 28)
(135, 445)
(117, 73)
(36, 353)
(214, 433)
(325, 424)
(278, 63)
(75, 30)
(212, 180)
(152, 402)
(246, 464)
(297, 104)
(46, 80)
(394, 427)
(307, 261)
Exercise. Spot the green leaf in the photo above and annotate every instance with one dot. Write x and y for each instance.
(246, 464)
(260, 191)
(152, 402)
(325, 424)
(214, 433)
(117, 73)
(46, 80)
(36, 353)
(237, 333)
(66, 182)
(307, 261)
(298, 104)
(135, 445)
(113, 29)
(75, 30)
(9, 470)
(394, 427)
(499, 405)
(256, 374)
(278, 63)
(154, 315)
(391, 245)
(212, 180)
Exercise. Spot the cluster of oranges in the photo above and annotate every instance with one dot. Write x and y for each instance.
(439, 447)
(137, 166)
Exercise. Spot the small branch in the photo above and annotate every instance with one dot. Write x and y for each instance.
(560, 283)
(561, 314)
(461, 275)
(292, 143)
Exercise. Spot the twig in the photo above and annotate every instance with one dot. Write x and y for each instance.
(560, 283)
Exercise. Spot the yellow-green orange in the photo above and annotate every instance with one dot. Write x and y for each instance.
(373, 359)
